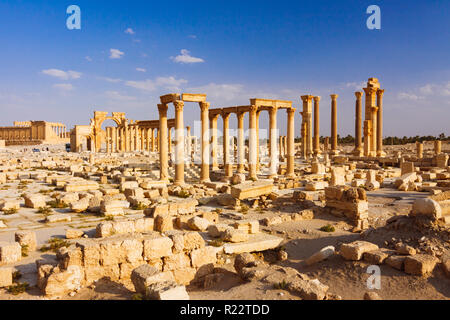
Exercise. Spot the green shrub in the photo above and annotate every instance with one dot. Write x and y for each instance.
(18, 288)
(327, 228)
(24, 250)
(44, 210)
(140, 206)
(10, 211)
(54, 245)
(57, 204)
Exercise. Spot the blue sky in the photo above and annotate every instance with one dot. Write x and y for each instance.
(128, 53)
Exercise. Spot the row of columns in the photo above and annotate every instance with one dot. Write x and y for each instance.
(131, 138)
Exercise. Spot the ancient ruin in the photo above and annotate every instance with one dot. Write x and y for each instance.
(165, 215)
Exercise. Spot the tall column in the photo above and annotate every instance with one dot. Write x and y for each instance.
(108, 137)
(380, 93)
(142, 138)
(290, 142)
(370, 122)
(127, 138)
(153, 140)
(316, 126)
(116, 139)
(307, 119)
(333, 123)
(241, 147)
(358, 117)
(169, 140)
(273, 141)
(163, 147)
(213, 127)
(285, 146)
(252, 153)
(149, 139)
(188, 145)
(373, 143)
(228, 166)
(204, 107)
(179, 143)
(304, 134)
(419, 147)
(282, 153)
(258, 112)
(437, 147)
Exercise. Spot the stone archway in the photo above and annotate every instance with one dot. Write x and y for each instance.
(96, 124)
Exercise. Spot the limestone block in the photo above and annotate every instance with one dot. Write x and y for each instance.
(405, 179)
(203, 256)
(178, 261)
(80, 205)
(316, 185)
(91, 252)
(308, 289)
(34, 201)
(198, 224)
(248, 226)
(427, 207)
(163, 223)
(376, 256)
(144, 224)
(58, 218)
(157, 209)
(396, 262)
(10, 252)
(6, 278)
(217, 230)
(238, 178)
(321, 255)
(112, 207)
(145, 275)
(61, 283)
(251, 190)
(156, 246)
(235, 235)
(420, 264)
(270, 221)
(356, 249)
(255, 243)
(69, 198)
(26, 238)
(81, 186)
(193, 240)
(9, 204)
(337, 176)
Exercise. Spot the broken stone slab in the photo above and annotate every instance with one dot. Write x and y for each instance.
(157, 246)
(255, 243)
(198, 224)
(316, 185)
(355, 250)
(61, 283)
(74, 234)
(9, 205)
(308, 289)
(235, 235)
(58, 218)
(396, 262)
(321, 255)
(168, 290)
(420, 264)
(251, 190)
(248, 226)
(377, 256)
(86, 185)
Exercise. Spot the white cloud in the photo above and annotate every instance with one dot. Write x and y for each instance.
(427, 89)
(112, 80)
(141, 69)
(115, 53)
(63, 75)
(114, 95)
(130, 31)
(170, 83)
(192, 36)
(356, 85)
(185, 57)
(63, 86)
(408, 96)
(88, 58)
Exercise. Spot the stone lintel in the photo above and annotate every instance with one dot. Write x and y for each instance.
(168, 98)
(193, 97)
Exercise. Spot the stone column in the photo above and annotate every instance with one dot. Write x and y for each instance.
(179, 143)
(273, 141)
(127, 138)
(380, 152)
(285, 146)
(143, 138)
(108, 138)
(258, 112)
(188, 145)
(169, 140)
(419, 149)
(252, 153)
(290, 142)
(158, 144)
(333, 123)
(153, 140)
(241, 147)
(437, 146)
(204, 107)
(149, 139)
(316, 126)
(163, 147)
(358, 118)
(304, 133)
(326, 144)
(281, 148)
(373, 143)
(213, 127)
(228, 166)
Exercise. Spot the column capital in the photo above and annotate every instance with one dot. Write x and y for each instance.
(380, 92)
(334, 96)
(253, 108)
(307, 98)
(225, 115)
(214, 117)
(178, 104)
(162, 108)
(370, 90)
(273, 111)
(358, 94)
(204, 106)
(240, 115)
(317, 98)
(291, 111)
